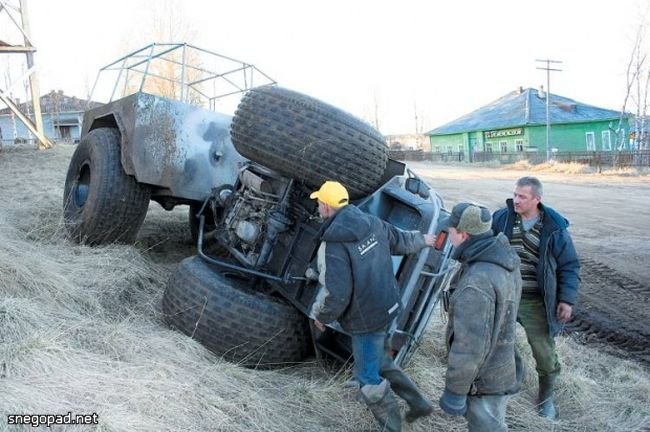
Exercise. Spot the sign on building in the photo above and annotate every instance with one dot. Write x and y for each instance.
(503, 133)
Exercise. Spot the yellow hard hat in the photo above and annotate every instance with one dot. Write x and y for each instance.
(332, 193)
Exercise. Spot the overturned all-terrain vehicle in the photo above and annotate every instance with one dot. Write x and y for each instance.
(247, 181)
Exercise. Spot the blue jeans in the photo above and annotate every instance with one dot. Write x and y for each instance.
(368, 352)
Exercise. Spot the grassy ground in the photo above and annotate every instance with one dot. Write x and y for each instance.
(81, 331)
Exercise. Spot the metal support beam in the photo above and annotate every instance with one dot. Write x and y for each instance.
(36, 126)
(16, 49)
(45, 142)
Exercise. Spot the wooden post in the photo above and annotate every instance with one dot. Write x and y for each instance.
(43, 141)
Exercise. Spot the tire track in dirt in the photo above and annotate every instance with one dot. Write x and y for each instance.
(612, 309)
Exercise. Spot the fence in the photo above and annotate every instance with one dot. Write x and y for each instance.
(598, 159)
(618, 159)
(419, 155)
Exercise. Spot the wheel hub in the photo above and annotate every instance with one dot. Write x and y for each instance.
(80, 193)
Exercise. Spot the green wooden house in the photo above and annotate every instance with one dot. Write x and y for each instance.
(516, 122)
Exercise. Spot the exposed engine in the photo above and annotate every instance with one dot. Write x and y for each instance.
(256, 212)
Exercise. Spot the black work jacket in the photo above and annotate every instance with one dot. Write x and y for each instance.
(357, 284)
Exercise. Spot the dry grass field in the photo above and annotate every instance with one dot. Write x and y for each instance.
(81, 328)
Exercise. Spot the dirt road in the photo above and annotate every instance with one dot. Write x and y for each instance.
(609, 218)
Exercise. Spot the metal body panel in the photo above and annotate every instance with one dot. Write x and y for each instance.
(181, 149)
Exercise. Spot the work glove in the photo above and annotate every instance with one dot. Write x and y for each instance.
(453, 404)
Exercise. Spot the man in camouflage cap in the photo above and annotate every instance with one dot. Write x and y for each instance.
(482, 308)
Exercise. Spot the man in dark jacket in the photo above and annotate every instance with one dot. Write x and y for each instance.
(358, 288)
(485, 294)
(550, 270)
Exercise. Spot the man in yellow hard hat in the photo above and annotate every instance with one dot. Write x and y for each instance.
(358, 289)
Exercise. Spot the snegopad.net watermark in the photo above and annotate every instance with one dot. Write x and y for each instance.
(36, 420)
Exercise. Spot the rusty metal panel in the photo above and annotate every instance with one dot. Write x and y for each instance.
(171, 145)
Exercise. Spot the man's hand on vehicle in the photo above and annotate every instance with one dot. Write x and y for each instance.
(319, 325)
(564, 311)
(429, 240)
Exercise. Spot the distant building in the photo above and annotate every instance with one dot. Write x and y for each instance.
(62, 117)
(407, 141)
(517, 123)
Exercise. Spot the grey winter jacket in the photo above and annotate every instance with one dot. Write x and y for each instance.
(357, 284)
(558, 269)
(482, 316)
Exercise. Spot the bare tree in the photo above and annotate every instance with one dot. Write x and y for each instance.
(167, 24)
(636, 91)
(373, 113)
(643, 133)
(639, 96)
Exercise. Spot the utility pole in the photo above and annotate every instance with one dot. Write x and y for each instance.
(548, 70)
(415, 115)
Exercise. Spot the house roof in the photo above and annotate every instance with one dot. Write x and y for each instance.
(525, 107)
(56, 101)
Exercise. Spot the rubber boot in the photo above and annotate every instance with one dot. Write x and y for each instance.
(546, 402)
(383, 405)
(419, 406)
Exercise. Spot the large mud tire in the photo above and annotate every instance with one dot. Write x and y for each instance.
(242, 325)
(101, 203)
(309, 140)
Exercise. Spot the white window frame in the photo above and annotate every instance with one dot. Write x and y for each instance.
(590, 138)
(460, 148)
(519, 145)
(606, 136)
(450, 149)
(503, 144)
(488, 147)
(437, 149)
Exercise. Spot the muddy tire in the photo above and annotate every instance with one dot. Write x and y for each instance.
(244, 326)
(101, 203)
(309, 140)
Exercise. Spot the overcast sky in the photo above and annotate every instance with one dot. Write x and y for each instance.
(445, 58)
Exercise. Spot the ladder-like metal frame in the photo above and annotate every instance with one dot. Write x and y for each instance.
(195, 73)
(28, 49)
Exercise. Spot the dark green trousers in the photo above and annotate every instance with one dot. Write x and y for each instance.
(532, 316)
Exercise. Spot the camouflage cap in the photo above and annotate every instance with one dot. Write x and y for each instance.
(471, 218)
